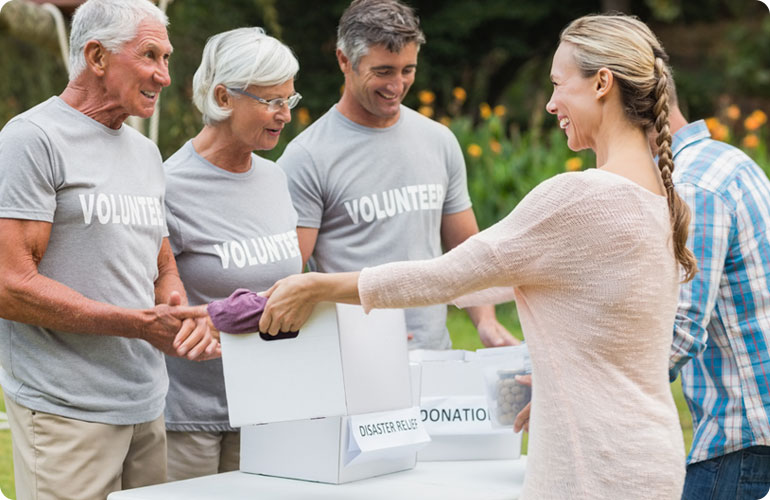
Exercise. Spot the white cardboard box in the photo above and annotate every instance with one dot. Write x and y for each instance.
(343, 362)
(454, 410)
(311, 393)
(334, 449)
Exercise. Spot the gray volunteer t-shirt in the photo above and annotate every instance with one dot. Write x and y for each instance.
(227, 231)
(377, 196)
(103, 191)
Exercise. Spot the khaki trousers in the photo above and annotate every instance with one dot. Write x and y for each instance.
(195, 454)
(55, 457)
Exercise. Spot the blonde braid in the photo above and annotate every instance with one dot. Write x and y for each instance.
(677, 208)
(660, 109)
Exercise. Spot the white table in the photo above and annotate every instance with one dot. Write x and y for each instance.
(477, 480)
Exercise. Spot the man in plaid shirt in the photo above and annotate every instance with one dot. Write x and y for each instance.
(721, 341)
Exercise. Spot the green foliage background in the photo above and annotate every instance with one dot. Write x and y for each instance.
(498, 51)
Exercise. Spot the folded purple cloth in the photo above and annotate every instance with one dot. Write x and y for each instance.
(238, 313)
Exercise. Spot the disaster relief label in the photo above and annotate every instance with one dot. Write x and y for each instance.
(447, 415)
(387, 427)
(390, 434)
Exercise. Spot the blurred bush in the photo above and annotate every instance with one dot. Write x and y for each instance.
(493, 51)
(505, 163)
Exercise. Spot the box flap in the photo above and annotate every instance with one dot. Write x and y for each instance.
(375, 360)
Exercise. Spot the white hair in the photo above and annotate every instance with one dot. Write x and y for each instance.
(110, 22)
(236, 59)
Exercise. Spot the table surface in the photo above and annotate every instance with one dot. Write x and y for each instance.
(477, 479)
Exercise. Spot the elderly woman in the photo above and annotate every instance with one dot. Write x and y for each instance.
(593, 260)
(231, 223)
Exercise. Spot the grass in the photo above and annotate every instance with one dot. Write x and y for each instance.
(463, 337)
(6, 459)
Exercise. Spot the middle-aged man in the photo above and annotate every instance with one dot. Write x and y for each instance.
(721, 341)
(83, 260)
(373, 181)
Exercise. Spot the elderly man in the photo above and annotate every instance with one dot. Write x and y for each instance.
(83, 260)
(373, 181)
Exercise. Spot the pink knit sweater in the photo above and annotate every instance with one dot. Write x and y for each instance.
(590, 257)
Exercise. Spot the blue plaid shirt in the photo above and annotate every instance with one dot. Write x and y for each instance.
(722, 330)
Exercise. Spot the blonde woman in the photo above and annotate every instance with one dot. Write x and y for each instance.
(594, 260)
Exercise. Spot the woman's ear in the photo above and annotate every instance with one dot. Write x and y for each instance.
(223, 97)
(604, 82)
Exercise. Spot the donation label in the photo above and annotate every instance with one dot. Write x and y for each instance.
(453, 415)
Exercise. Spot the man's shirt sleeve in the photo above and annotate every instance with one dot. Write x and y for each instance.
(710, 231)
(304, 185)
(28, 177)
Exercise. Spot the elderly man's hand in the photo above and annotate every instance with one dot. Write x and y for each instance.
(182, 331)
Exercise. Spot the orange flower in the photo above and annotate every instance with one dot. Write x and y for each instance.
(426, 110)
(474, 150)
(485, 111)
(751, 141)
(500, 110)
(459, 94)
(712, 124)
(573, 164)
(495, 146)
(760, 116)
(303, 116)
(721, 132)
(426, 97)
(445, 120)
(733, 112)
(751, 123)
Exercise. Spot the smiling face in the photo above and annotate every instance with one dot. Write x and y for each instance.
(135, 75)
(252, 124)
(574, 99)
(374, 91)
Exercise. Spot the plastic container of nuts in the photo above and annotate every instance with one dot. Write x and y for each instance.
(505, 396)
(510, 397)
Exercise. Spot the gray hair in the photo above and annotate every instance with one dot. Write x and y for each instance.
(236, 59)
(110, 22)
(366, 23)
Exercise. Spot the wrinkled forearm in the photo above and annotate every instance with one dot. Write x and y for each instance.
(37, 300)
(168, 276)
(167, 283)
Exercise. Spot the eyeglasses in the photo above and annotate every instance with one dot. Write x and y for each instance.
(273, 105)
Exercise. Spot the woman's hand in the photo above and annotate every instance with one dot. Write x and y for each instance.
(290, 302)
(292, 299)
(522, 419)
